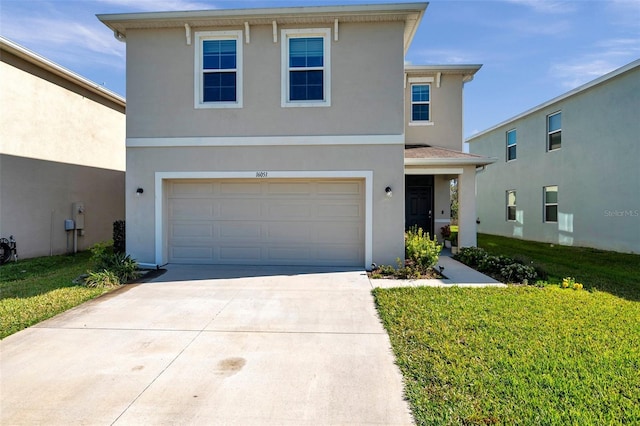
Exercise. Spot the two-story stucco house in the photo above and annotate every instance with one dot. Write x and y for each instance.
(569, 170)
(62, 155)
(277, 136)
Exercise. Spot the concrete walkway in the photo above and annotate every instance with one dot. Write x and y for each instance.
(210, 345)
(458, 274)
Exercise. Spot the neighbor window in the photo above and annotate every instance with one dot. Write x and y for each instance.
(219, 69)
(511, 145)
(306, 67)
(420, 102)
(554, 131)
(511, 205)
(550, 203)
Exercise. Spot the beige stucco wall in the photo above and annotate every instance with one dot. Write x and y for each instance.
(385, 161)
(445, 129)
(59, 144)
(366, 86)
(596, 171)
(44, 117)
(36, 197)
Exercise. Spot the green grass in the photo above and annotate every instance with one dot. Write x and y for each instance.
(33, 290)
(617, 273)
(521, 355)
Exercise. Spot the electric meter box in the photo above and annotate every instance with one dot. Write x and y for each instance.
(78, 214)
(69, 225)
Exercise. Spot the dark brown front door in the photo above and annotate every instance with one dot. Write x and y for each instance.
(419, 202)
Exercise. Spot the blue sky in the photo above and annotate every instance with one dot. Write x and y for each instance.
(531, 50)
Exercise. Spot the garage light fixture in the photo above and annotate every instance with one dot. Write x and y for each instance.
(139, 191)
(388, 191)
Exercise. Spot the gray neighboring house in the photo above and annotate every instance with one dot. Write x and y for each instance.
(569, 169)
(62, 150)
(288, 136)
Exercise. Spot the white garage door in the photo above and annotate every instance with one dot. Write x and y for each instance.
(266, 221)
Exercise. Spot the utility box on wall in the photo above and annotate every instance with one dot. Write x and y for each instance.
(78, 214)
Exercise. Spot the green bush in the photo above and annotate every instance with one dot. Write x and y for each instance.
(102, 279)
(119, 236)
(120, 264)
(421, 249)
(502, 268)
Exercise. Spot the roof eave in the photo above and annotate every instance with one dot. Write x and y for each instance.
(483, 161)
(52, 67)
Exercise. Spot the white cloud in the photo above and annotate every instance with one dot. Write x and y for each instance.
(611, 54)
(444, 56)
(159, 5)
(546, 6)
(572, 75)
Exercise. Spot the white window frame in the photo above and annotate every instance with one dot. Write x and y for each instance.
(200, 37)
(286, 35)
(515, 144)
(420, 81)
(511, 205)
(550, 132)
(545, 204)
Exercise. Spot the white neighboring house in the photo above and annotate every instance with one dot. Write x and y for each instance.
(62, 150)
(570, 168)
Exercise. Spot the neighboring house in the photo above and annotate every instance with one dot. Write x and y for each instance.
(62, 155)
(569, 170)
(277, 136)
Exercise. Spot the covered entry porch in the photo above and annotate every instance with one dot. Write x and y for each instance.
(428, 174)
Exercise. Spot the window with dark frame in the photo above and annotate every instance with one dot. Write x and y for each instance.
(420, 102)
(511, 144)
(551, 203)
(306, 69)
(219, 71)
(554, 131)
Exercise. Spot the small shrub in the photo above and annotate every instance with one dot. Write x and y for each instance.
(102, 279)
(518, 273)
(120, 264)
(471, 256)
(421, 249)
(119, 236)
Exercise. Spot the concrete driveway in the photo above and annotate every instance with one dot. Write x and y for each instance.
(204, 345)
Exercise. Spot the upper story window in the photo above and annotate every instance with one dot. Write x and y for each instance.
(551, 203)
(306, 67)
(420, 102)
(554, 131)
(511, 205)
(218, 80)
(511, 144)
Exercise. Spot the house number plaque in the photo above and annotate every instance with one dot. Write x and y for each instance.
(262, 174)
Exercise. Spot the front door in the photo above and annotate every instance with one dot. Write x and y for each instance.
(419, 202)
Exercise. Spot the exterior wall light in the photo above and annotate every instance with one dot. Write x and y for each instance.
(388, 191)
(139, 191)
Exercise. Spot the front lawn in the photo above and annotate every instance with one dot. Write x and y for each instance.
(618, 273)
(523, 354)
(33, 290)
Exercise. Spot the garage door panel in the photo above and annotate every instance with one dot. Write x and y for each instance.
(237, 189)
(289, 210)
(278, 232)
(239, 230)
(289, 188)
(240, 208)
(235, 254)
(339, 211)
(191, 230)
(191, 188)
(267, 221)
(333, 188)
(192, 254)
